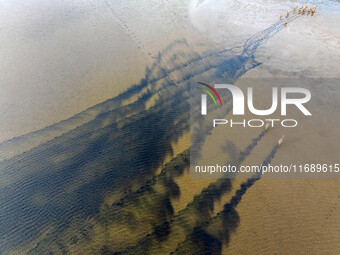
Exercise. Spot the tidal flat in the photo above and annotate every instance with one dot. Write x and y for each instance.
(95, 131)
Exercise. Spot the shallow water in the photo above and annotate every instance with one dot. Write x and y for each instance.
(62, 58)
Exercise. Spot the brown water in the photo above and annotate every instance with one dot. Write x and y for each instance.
(79, 185)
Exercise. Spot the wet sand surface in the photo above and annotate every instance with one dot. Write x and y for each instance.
(115, 178)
